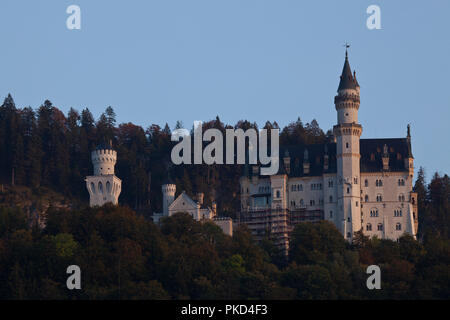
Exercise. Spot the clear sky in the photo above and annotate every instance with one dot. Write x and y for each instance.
(168, 60)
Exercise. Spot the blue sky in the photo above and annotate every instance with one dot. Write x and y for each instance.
(168, 60)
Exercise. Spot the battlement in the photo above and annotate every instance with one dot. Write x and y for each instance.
(104, 161)
(169, 188)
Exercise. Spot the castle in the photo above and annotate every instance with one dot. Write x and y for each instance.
(357, 184)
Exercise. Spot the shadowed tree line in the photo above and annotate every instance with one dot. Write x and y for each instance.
(45, 148)
(124, 256)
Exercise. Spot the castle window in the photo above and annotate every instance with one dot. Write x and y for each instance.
(301, 187)
(278, 194)
(312, 202)
(348, 219)
(301, 202)
(355, 180)
(331, 199)
(93, 187)
(108, 186)
(401, 198)
(398, 213)
(380, 227)
(348, 190)
(330, 184)
(100, 187)
(374, 213)
(368, 227)
(349, 235)
(356, 203)
(331, 214)
(346, 145)
(366, 198)
(398, 226)
(372, 157)
(399, 156)
(366, 183)
(379, 198)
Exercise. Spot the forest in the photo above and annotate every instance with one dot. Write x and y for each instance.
(123, 255)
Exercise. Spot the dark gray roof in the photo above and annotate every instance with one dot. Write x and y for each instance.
(371, 151)
(347, 80)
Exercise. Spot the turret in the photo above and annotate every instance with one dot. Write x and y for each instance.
(104, 159)
(168, 191)
(103, 187)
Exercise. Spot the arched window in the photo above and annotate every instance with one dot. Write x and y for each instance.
(398, 226)
(301, 202)
(108, 187)
(398, 213)
(380, 227)
(331, 199)
(366, 198)
(100, 187)
(278, 194)
(93, 187)
(301, 187)
(368, 227)
(379, 198)
(374, 212)
(331, 214)
(376, 183)
(366, 183)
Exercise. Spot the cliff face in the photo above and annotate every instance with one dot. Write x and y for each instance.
(34, 203)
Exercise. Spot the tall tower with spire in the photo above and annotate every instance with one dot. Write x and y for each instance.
(348, 133)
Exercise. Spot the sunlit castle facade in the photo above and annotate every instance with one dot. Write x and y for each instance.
(357, 184)
(104, 187)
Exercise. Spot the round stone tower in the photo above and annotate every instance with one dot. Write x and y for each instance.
(168, 191)
(103, 187)
(104, 159)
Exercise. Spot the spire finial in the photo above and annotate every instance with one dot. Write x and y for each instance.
(409, 131)
(346, 45)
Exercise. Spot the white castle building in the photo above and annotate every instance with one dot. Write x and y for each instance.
(357, 184)
(197, 209)
(104, 187)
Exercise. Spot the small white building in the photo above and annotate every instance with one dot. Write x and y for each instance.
(103, 187)
(198, 211)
